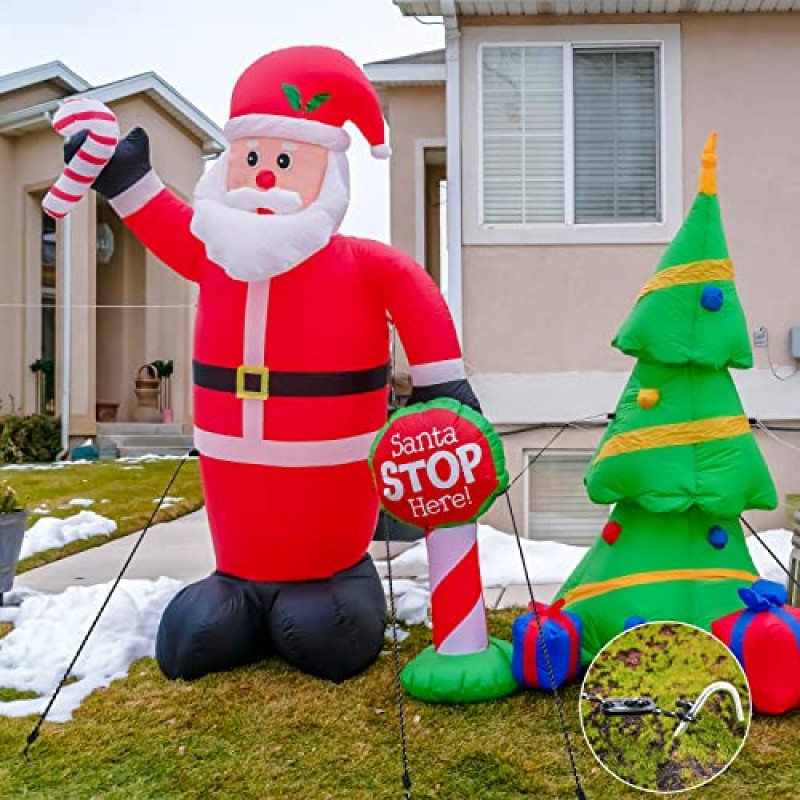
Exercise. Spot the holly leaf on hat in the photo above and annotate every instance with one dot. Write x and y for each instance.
(293, 96)
(316, 101)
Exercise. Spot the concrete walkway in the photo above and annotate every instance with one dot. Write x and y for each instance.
(182, 549)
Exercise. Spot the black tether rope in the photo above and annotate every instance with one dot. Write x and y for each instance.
(579, 793)
(34, 734)
(767, 548)
(406, 777)
(401, 717)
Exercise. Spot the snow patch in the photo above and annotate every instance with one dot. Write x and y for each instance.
(84, 502)
(50, 532)
(780, 542)
(547, 562)
(49, 628)
(148, 457)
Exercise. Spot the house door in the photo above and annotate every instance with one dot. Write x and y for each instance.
(435, 226)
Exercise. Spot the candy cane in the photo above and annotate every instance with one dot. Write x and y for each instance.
(75, 181)
(457, 608)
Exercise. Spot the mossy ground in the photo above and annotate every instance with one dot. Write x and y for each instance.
(268, 731)
(667, 663)
(129, 489)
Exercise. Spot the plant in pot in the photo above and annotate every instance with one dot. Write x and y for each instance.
(12, 530)
(165, 370)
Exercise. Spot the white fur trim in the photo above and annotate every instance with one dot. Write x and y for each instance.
(328, 453)
(137, 196)
(381, 151)
(438, 372)
(300, 130)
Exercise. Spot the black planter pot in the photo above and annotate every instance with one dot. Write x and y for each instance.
(12, 531)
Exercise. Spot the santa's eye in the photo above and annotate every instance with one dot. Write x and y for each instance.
(284, 161)
(252, 158)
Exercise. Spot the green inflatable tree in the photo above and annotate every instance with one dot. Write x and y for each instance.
(679, 459)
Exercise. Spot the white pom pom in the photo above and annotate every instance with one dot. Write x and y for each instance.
(381, 151)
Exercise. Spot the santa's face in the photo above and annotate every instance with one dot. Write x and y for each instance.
(269, 204)
(265, 163)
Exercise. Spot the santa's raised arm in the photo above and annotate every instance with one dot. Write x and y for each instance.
(290, 368)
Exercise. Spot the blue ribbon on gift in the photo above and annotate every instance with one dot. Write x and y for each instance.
(763, 596)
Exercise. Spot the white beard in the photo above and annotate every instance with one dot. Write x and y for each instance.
(253, 247)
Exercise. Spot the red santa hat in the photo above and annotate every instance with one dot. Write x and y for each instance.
(307, 94)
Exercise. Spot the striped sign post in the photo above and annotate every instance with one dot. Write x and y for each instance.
(440, 466)
(74, 116)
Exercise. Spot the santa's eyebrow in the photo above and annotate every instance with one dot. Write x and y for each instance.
(252, 143)
(289, 146)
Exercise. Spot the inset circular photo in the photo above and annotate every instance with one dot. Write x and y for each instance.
(665, 707)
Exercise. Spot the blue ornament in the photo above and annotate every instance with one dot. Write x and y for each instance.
(634, 622)
(712, 298)
(717, 537)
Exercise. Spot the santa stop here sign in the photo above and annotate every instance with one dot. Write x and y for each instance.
(438, 464)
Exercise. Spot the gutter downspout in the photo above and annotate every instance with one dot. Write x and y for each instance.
(66, 335)
(452, 38)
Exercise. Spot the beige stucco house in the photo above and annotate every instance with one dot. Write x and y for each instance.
(569, 134)
(127, 308)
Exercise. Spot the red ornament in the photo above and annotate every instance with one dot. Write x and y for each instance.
(611, 532)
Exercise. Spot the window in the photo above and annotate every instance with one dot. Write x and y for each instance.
(558, 507)
(611, 155)
(576, 133)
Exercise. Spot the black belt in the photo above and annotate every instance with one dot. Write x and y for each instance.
(259, 383)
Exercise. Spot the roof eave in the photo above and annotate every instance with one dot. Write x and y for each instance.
(389, 75)
(571, 8)
(43, 73)
(18, 122)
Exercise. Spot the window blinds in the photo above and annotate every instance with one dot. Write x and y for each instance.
(614, 95)
(558, 506)
(523, 135)
(616, 136)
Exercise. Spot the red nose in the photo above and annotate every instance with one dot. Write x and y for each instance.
(265, 179)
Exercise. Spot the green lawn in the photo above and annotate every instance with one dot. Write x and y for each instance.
(129, 489)
(665, 662)
(271, 732)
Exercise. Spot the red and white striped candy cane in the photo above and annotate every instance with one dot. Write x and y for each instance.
(457, 608)
(74, 116)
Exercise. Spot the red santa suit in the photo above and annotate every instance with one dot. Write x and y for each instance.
(290, 383)
(288, 490)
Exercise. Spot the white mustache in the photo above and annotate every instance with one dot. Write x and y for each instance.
(281, 201)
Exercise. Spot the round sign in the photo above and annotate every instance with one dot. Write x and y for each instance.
(438, 464)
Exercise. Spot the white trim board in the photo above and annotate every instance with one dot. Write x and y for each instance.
(558, 397)
(667, 38)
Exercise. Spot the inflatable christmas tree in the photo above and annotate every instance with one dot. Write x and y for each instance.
(679, 459)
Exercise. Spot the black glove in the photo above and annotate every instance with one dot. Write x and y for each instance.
(129, 164)
(459, 390)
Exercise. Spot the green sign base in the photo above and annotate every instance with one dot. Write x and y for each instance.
(438, 678)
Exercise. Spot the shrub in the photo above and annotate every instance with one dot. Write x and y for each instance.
(34, 438)
(8, 499)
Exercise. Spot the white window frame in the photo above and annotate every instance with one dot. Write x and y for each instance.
(666, 37)
(572, 454)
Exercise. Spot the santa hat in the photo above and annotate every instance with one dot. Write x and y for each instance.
(307, 94)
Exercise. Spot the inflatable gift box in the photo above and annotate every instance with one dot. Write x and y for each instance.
(561, 631)
(765, 637)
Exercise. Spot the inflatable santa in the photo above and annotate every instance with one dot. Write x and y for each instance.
(291, 358)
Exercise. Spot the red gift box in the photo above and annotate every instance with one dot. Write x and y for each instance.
(765, 637)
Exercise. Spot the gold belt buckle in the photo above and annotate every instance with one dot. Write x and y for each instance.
(242, 392)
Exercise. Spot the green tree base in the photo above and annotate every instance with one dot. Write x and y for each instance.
(439, 678)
